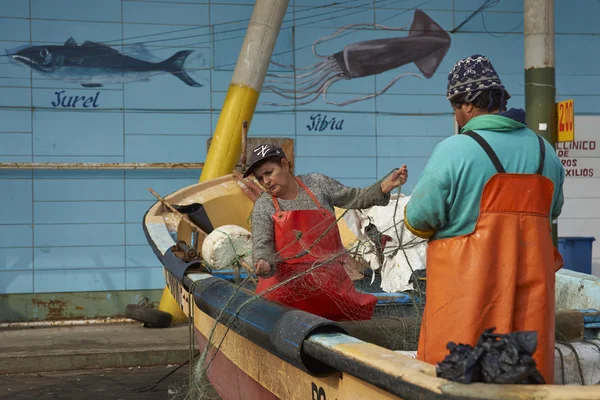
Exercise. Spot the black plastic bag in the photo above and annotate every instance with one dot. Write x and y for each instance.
(499, 359)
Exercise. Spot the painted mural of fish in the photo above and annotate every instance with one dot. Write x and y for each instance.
(94, 64)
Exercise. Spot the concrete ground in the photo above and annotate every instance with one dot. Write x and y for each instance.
(96, 361)
(64, 348)
(101, 384)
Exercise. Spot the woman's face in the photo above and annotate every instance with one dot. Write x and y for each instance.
(275, 177)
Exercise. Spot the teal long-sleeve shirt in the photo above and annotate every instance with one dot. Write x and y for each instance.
(445, 202)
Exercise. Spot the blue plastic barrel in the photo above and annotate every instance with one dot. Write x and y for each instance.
(576, 252)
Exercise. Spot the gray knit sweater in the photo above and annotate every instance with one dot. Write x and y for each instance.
(328, 191)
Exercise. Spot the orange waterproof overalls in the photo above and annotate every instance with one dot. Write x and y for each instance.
(500, 275)
(326, 290)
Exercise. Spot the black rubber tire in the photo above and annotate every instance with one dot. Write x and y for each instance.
(151, 317)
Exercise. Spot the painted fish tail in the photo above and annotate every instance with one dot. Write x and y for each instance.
(174, 65)
(423, 25)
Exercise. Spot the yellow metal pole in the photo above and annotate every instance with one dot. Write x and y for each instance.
(240, 103)
(244, 89)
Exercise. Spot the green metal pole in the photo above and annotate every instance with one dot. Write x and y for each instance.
(540, 90)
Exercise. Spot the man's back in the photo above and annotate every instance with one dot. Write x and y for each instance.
(447, 196)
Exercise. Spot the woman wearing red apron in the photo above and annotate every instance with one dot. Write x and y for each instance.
(297, 249)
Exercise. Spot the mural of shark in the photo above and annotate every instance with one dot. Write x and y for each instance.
(94, 64)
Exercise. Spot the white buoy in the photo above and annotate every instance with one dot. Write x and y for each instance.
(223, 246)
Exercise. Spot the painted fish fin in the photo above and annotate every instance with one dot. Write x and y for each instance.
(91, 85)
(99, 46)
(424, 26)
(174, 65)
(70, 42)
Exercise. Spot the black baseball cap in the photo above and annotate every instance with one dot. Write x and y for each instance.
(261, 153)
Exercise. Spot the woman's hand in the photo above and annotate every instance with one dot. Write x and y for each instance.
(263, 269)
(397, 178)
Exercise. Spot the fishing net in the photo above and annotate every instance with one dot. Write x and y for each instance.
(342, 284)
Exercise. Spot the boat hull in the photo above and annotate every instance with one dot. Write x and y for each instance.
(247, 365)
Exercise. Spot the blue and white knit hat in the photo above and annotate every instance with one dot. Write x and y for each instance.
(471, 76)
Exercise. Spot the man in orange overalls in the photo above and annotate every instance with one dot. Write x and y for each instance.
(486, 200)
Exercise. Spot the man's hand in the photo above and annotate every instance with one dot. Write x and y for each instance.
(397, 178)
(263, 269)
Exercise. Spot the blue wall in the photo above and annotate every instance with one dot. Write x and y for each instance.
(81, 230)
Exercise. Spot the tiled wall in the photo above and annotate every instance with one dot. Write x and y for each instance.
(81, 230)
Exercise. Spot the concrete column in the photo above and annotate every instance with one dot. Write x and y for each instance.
(244, 89)
(540, 91)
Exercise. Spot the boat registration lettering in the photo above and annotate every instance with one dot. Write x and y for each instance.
(318, 393)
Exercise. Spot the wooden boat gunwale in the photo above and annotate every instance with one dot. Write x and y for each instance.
(340, 355)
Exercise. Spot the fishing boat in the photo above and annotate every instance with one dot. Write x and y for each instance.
(263, 350)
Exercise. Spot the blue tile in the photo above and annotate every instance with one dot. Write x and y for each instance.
(78, 189)
(415, 168)
(145, 278)
(88, 10)
(191, 174)
(426, 104)
(174, 94)
(16, 199)
(573, 53)
(58, 32)
(156, 36)
(15, 144)
(136, 210)
(15, 97)
(14, 8)
(95, 257)
(15, 235)
(359, 12)
(16, 258)
(78, 174)
(165, 13)
(149, 123)
(570, 18)
(393, 18)
(265, 124)
(357, 183)
(79, 212)
(152, 148)
(51, 281)
(411, 84)
(572, 85)
(134, 234)
(495, 48)
(406, 146)
(15, 174)
(15, 121)
(14, 29)
(141, 256)
(79, 235)
(13, 159)
(332, 146)
(228, 17)
(497, 24)
(137, 189)
(317, 123)
(12, 282)
(504, 5)
(337, 168)
(88, 133)
(78, 98)
(408, 125)
(79, 159)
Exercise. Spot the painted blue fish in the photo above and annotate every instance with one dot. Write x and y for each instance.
(94, 64)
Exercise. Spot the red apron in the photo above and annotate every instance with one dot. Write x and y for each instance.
(501, 275)
(327, 290)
